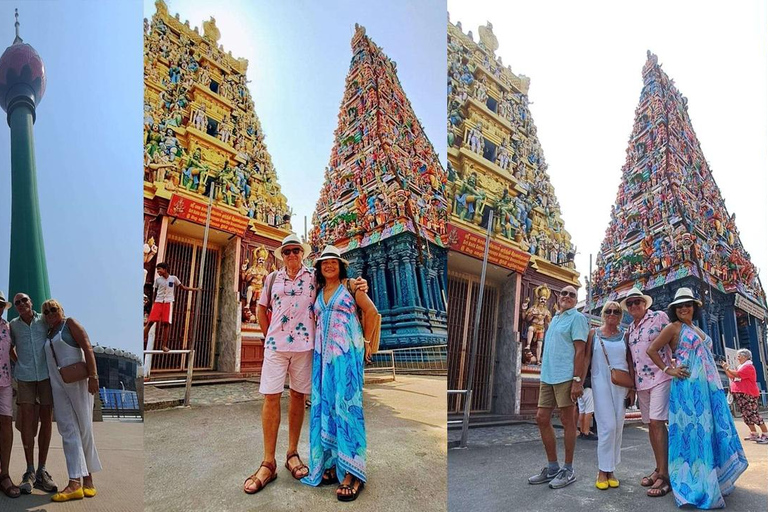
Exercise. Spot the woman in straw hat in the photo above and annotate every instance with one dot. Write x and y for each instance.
(6, 405)
(705, 453)
(337, 429)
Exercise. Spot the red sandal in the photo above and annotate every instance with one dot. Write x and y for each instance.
(260, 484)
(301, 466)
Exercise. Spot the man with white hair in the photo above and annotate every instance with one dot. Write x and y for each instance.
(651, 383)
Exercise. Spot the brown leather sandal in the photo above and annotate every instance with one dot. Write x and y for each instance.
(648, 481)
(662, 490)
(298, 468)
(260, 484)
(12, 491)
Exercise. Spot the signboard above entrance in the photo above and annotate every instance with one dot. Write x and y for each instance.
(195, 211)
(473, 245)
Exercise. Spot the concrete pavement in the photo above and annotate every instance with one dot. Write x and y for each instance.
(491, 474)
(119, 485)
(197, 458)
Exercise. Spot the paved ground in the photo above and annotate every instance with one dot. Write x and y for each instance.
(119, 484)
(197, 458)
(491, 474)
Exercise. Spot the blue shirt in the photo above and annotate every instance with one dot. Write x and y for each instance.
(29, 341)
(557, 359)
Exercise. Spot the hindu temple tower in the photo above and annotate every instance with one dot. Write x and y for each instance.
(670, 227)
(383, 201)
(22, 86)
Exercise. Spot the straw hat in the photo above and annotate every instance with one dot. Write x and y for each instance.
(684, 295)
(331, 253)
(2, 299)
(633, 293)
(292, 240)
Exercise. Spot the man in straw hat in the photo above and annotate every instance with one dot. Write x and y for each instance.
(652, 384)
(561, 386)
(6, 404)
(288, 343)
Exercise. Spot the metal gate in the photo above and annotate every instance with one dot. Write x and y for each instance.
(463, 291)
(183, 256)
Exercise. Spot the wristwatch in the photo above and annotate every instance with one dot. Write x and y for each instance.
(577, 379)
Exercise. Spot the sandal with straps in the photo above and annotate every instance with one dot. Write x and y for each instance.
(329, 476)
(260, 484)
(12, 491)
(648, 481)
(298, 468)
(353, 491)
(662, 490)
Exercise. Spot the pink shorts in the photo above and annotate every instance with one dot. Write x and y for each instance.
(298, 366)
(654, 402)
(6, 401)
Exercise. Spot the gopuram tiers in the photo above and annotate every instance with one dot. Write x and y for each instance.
(204, 144)
(497, 169)
(383, 201)
(670, 227)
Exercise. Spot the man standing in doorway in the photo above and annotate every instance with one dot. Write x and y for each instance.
(289, 339)
(651, 383)
(561, 386)
(28, 335)
(165, 290)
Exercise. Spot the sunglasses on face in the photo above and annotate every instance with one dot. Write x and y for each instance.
(295, 250)
(635, 302)
(684, 305)
(565, 293)
(22, 300)
(51, 311)
(615, 312)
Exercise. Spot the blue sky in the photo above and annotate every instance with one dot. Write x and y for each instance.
(299, 53)
(88, 151)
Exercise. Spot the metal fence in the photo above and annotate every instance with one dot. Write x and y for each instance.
(430, 360)
(118, 403)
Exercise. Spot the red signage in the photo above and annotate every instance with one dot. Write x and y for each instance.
(194, 211)
(473, 245)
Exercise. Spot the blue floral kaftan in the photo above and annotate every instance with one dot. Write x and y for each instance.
(336, 424)
(705, 453)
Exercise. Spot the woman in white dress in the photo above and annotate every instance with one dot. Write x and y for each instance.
(68, 344)
(606, 343)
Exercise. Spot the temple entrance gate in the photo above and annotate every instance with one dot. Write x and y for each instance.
(184, 256)
(463, 291)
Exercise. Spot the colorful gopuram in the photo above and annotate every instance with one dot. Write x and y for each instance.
(204, 146)
(383, 201)
(497, 169)
(670, 227)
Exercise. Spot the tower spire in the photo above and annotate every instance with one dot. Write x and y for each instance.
(18, 38)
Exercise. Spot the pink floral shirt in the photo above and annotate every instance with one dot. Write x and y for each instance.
(640, 337)
(5, 354)
(292, 328)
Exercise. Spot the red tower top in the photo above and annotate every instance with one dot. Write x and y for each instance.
(21, 71)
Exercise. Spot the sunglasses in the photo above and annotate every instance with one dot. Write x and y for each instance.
(295, 250)
(635, 302)
(684, 305)
(568, 294)
(51, 311)
(23, 300)
(615, 312)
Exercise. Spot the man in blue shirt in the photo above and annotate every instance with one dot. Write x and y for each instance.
(28, 335)
(560, 386)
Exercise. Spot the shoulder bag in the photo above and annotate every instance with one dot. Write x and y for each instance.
(619, 377)
(73, 372)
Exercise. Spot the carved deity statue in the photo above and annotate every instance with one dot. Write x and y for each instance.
(538, 318)
(253, 280)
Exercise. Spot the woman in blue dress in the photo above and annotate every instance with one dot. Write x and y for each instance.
(705, 453)
(337, 445)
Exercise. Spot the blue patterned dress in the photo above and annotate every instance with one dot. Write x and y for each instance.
(336, 424)
(705, 453)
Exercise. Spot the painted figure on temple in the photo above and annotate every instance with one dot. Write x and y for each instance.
(537, 316)
(470, 198)
(192, 169)
(253, 281)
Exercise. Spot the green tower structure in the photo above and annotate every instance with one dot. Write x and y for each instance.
(22, 86)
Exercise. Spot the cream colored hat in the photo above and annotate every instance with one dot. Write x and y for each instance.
(291, 241)
(3, 300)
(331, 253)
(684, 295)
(636, 292)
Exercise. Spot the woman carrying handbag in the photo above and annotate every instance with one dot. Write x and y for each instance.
(72, 370)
